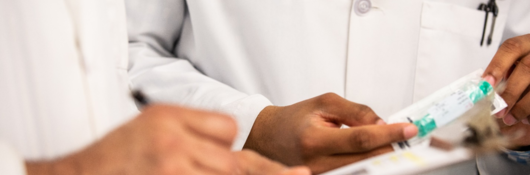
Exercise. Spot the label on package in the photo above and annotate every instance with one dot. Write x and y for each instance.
(450, 108)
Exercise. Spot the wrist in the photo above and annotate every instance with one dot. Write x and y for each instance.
(40, 168)
(260, 137)
(245, 111)
(262, 118)
(62, 166)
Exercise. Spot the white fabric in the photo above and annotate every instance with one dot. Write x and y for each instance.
(11, 163)
(210, 53)
(63, 78)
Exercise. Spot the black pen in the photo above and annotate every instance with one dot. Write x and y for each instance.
(140, 98)
(494, 9)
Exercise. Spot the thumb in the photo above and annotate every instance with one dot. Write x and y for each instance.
(362, 138)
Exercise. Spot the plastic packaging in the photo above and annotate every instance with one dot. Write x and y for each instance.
(444, 106)
(452, 106)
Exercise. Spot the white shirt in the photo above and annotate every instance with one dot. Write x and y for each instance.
(240, 56)
(63, 77)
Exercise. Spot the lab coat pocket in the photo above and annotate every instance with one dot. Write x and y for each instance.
(449, 45)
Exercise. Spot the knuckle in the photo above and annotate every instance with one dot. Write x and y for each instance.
(228, 166)
(308, 144)
(513, 45)
(509, 95)
(362, 140)
(164, 142)
(496, 70)
(364, 110)
(521, 111)
(526, 63)
(157, 112)
(328, 98)
(228, 125)
(159, 123)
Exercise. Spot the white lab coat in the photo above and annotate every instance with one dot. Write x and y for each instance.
(63, 77)
(239, 56)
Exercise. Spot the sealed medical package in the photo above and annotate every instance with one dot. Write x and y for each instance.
(458, 114)
(445, 106)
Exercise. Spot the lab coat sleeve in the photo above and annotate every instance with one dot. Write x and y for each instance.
(517, 23)
(154, 27)
(10, 161)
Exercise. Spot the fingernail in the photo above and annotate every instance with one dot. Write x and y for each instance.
(410, 131)
(380, 122)
(490, 79)
(509, 120)
(525, 121)
(501, 113)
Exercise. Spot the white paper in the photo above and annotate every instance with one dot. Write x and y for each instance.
(412, 161)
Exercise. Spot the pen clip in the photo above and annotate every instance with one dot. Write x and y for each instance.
(494, 9)
(487, 8)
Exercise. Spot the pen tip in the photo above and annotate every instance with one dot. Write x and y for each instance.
(139, 97)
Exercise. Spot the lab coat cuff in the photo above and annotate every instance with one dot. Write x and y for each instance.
(245, 111)
(10, 161)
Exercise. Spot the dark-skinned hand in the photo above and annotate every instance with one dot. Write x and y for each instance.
(308, 133)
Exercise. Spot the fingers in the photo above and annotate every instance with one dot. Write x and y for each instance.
(520, 111)
(215, 126)
(251, 163)
(211, 125)
(185, 166)
(509, 52)
(517, 82)
(514, 51)
(346, 112)
(519, 133)
(296, 171)
(358, 114)
(212, 157)
(516, 95)
(358, 139)
(178, 141)
(175, 151)
(327, 163)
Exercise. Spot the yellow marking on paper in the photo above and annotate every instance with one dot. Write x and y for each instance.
(394, 159)
(377, 162)
(419, 161)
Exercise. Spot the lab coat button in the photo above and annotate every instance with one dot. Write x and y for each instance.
(362, 6)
